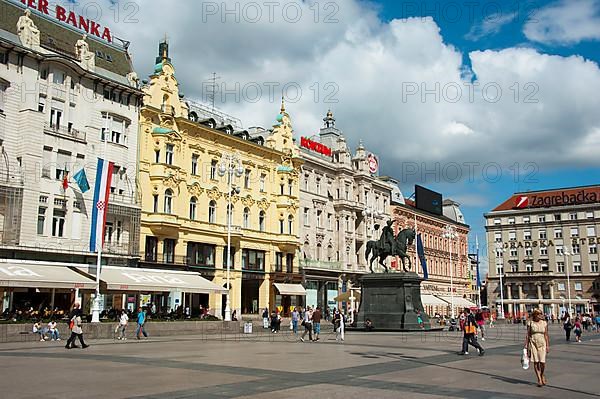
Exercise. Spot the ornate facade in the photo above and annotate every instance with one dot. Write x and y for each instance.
(185, 199)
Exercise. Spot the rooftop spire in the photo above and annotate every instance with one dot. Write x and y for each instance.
(282, 105)
(163, 51)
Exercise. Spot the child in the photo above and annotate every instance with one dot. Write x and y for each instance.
(578, 329)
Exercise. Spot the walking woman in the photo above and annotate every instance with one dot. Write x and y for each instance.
(76, 331)
(568, 326)
(537, 344)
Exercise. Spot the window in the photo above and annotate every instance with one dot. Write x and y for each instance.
(576, 249)
(512, 235)
(155, 202)
(247, 178)
(593, 249)
(591, 231)
(44, 74)
(594, 266)
(151, 250)
(4, 58)
(193, 204)
(545, 267)
(279, 261)
(306, 217)
(561, 286)
(542, 218)
(511, 220)
(281, 226)
(261, 221)
(574, 232)
(58, 223)
(497, 222)
(42, 104)
(589, 215)
(528, 267)
(319, 213)
(168, 201)
(559, 250)
(229, 214)
(231, 257)
(253, 260)
(542, 234)
(576, 267)
(169, 250)
(55, 118)
(526, 219)
(527, 235)
(498, 236)
(213, 169)
(262, 182)
(347, 223)
(113, 129)
(194, 164)
(318, 186)
(305, 182)
(528, 252)
(573, 216)
(41, 220)
(212, 211)
(119, 232)
(108, 231)
(290, 187)
(281, 189)
(347, 193)
(513, 252)
(58, 77)
(557, 217)
(558, 233)
(199, 254)
(560, 267)
(329, 226)
(246, 218)
(289, 263)
(514, 267)
(578, 286)
(169, 154)
(157, 156)
(290, 225)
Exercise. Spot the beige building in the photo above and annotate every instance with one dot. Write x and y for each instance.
(341, 198)
(185, 200)
(543, 245)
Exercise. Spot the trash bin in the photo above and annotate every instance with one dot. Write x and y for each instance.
(247, 328)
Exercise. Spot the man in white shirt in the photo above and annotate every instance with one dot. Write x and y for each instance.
(53, 329)
(123, 321)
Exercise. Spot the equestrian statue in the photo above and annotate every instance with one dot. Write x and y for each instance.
(390, 245)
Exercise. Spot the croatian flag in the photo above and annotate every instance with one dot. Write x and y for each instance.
(100, 204)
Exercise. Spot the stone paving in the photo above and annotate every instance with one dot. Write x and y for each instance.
(264, 365)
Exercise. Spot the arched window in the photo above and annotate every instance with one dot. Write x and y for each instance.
(193, 202)
(261, 221)
(290, 225)
(168, 201)
(329, 253)
(212, 211)
(281, 226)
(230, 210)
(246, 218)
(319, 251)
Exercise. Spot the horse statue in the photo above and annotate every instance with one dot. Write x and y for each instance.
(399, 246)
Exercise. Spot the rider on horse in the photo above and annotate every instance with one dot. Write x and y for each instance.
(387, 239)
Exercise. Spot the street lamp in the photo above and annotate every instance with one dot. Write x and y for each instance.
(568, 253)
(500, 248)
(450, 234)
(230, 164)
(372, 213)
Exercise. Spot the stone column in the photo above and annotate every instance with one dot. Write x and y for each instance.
(521, 305)
(540, 295)
(551, 285)
(509, 296)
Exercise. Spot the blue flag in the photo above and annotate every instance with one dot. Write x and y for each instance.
(421, 253)
(81, 180)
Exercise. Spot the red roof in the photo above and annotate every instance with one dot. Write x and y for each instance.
(551, 198)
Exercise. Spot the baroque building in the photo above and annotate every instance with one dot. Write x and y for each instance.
(342, 198)
(184, 151)
(61, 95)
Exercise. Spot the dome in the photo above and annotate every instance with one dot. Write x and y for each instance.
(451, 210)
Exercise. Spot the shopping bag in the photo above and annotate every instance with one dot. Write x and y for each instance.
(525, 359)
(265, 323)
(291, 325)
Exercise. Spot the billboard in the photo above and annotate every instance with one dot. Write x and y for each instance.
(427, 200)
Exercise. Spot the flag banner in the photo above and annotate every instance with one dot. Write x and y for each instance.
(65, 181)
(100, 205)
(421, 253)
(81, 180)
(477, 269)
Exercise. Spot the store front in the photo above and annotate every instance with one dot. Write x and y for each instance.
(288, 297)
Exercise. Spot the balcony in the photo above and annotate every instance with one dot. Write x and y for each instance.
(63, 132)
(347, 204)
(121, 199)
(175, 260)
(320, 265)
(116, 249)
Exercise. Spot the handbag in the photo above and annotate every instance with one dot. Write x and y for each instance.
(524, 359)
(291, 325)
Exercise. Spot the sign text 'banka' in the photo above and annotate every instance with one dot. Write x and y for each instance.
(69, 17)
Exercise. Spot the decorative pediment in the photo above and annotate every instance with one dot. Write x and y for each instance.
(292, 209)
(247, 201)
(196, 147)
(263, 204)
(171, 182)
(235, 198)
(195, 189)
(214, 193)
(320, 238)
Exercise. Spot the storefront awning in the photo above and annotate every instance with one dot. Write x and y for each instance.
(290, 289)
(155, 280)
(32, 274)
(459, 302)
(432, 300)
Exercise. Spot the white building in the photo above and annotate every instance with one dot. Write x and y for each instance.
(60, 94)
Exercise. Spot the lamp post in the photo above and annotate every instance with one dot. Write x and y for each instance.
(568, 253)
(230, 164)
(499, 248)
(450, 234)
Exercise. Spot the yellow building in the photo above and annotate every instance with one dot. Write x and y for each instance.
(185, 200)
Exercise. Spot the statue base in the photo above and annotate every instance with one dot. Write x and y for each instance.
(391, 301)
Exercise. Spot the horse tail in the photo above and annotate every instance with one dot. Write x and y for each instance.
(368, 251)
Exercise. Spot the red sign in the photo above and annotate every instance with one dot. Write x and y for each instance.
(571, 197)
(522, 202)
(315, 146)
(373, 164)
(69, 17)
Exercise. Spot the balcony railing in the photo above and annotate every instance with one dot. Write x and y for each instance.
(179, 260)
(538, 273)
(72, 134)
(321, 265)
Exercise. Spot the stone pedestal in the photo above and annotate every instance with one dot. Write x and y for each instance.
(391, 302)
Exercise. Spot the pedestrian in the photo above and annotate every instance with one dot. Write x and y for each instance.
(265, 316)
(338, 325)
(307, 323)
(316, 319)
(470, 334)
(578, 329)
(461, 321)
(53, 329)
(537, 343)
(141, 321)
(567, 326)
(295, 318)
(76, 330)
(275, 321)
(123, 321)
(420, 320)
(492, 320)
(480, 323)
(598, 322)
(37, 329)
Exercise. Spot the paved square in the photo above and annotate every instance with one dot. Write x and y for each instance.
(377, 365)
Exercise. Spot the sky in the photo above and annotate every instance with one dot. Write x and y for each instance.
(476, 99)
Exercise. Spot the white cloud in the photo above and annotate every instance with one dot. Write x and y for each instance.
(547, 110)
(566, 22)
(491, 25)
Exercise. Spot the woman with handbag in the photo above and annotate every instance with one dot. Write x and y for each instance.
(537, 343)
(567, 326)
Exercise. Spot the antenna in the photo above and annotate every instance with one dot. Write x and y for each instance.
(212, 89)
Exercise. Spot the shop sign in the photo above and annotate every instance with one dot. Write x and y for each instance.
(373, 164)
(563, 198)
(315, 146)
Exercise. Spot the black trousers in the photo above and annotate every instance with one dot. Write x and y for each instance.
(568, 334)
(71, 340)
(469, 339)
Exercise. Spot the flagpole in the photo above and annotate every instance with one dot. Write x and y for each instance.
(416, 249)
(477, 271)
